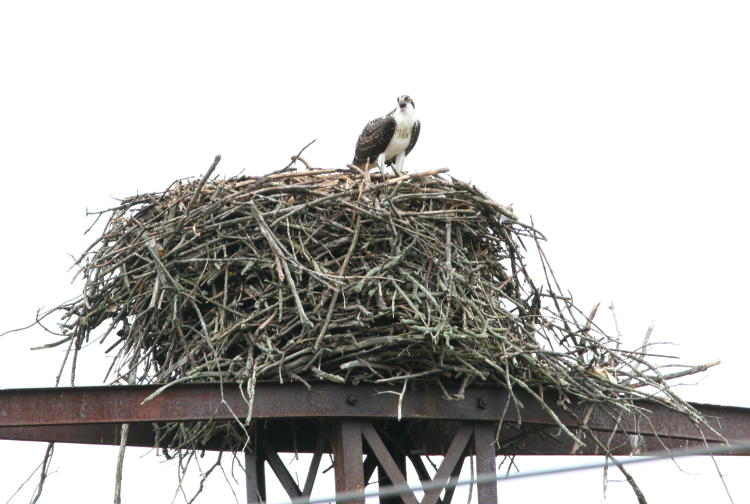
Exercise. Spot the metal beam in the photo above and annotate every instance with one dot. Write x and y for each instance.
(255, 478)
(453, 456)
(60, 414)
(279, 469)
(123, 404)
(549, 441)
(312, 471)
(347, 458)
(395, 474)
(484, 450)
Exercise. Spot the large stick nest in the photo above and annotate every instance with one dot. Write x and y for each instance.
(333, 275)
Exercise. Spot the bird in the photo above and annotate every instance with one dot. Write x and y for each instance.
(387, 140)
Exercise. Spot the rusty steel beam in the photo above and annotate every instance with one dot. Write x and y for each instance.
(484, 450)
(312, 471)
(255, 478)
(279, 469)
(140, 434)
(453, 456)
(347, 458)
(395, 474)
(70, 408)
(72, 405)
(548, 442)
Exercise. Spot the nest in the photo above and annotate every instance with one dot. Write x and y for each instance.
(338, 276)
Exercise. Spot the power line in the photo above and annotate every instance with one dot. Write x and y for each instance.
(394, 490)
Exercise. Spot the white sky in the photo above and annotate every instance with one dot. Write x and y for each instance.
(621, 127)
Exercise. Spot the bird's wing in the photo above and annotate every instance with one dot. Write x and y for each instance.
(374, 139)
(414, 136)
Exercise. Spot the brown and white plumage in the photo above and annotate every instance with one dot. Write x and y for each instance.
(388, 139)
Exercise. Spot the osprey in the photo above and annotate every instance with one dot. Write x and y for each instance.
(388, 139)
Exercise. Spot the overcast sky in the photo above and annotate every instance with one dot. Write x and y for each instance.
(621, 127)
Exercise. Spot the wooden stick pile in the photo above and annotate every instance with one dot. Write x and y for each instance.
(340, 276)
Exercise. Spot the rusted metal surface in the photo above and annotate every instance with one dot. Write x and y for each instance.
(77, 405)
(279, 469)
(347, 458)
(55, 406)
(484, 449)
(93, 415)
(483, 434)
(340, 418)
(312, 472)
(548, 441)
(255, 478)
(395, 473)
(448, 496)
(453, 456)
(140, 434)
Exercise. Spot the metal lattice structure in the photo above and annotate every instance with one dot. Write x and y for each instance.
(361, 426)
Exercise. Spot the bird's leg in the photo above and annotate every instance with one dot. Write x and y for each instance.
(367, 172)
(381, 165)
(399, 163)
(381, 160)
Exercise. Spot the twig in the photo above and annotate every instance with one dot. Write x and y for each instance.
(337, 290)
(198, 189)
(43, 472)
(295, 158)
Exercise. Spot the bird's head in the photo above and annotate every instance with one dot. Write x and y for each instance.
(404, 102)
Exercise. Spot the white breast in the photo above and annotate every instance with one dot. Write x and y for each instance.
(405, 120)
